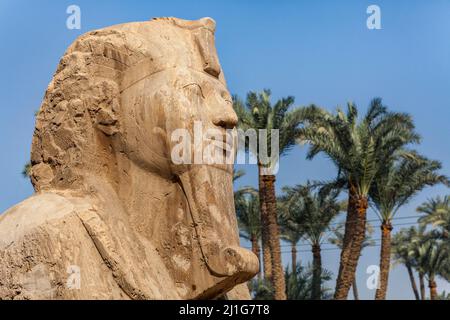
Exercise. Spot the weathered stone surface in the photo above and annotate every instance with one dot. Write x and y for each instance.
(109, 201)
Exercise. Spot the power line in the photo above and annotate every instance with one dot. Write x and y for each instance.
(368, 220)
(330, 243)
(322, 244)
(307, 244)
(327, 249)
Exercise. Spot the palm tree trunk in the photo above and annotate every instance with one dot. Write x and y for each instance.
(274, 238)
(317, 273)
(267, 257)
(355, 290)
(433, 288)
(422, 285)
(413, 281)
(355, 229)
(294, 257)
(256, 251)
(385, 260)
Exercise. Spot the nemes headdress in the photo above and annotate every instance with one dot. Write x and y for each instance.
(85, 90)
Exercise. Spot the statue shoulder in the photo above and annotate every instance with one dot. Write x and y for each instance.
(37, 211)
(44, 244)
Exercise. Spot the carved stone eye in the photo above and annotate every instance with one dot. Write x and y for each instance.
(226, 96)
(194, 89)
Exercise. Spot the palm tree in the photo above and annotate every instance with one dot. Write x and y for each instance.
(291, 234)
(261, 289)
(421, 250)
(433, 257)
(258, 114)
(393, 187)
(401, 248)
(443, 296)
(338, 240)
(418, 236)
(437, 213)
(312, 212)
(26, 172)
(299, 283)
(237, 174)
(248, 216)
(359, 149)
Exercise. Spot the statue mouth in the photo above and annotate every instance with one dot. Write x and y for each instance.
(223, 144)
(224, 154)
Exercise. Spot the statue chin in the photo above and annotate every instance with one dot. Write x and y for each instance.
(104, 223)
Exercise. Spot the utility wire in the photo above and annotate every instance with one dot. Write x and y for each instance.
(308, 245)
(329, 243)
(369, 220)
(326, 249)
(323, 249)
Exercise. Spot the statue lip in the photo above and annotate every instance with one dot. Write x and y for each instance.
(222, 145)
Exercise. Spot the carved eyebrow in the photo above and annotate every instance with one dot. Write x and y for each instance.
(195, 84)
(227, 97)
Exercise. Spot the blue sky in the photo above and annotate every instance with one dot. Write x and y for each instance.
(319, 52)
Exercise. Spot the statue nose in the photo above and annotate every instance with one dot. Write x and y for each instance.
(226, 120)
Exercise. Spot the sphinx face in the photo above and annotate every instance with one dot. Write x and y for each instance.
(176, 119)
(200, 123)
(184, 107)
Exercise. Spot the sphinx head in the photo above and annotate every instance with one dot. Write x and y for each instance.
(115, 101)
(121, 92)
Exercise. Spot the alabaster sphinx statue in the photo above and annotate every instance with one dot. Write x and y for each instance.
(113, 217)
